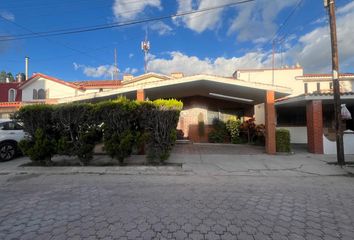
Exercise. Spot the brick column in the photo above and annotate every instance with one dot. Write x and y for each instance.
(140, 95)
(270, 123)
(314, 121)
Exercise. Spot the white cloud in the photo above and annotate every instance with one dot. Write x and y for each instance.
(101, 71)
(7, 15)
(200, 22)
(161, 28)
(253, 21)
(128, 10)
(257, 20)
(95, 72)
(313, 49)
(178, 62)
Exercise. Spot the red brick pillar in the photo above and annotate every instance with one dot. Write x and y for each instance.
(270, 123)
(140, 95)
(314, 121)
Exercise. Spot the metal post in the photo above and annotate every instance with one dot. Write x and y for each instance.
(330, 4)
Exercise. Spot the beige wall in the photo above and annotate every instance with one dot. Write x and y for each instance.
(282, 77)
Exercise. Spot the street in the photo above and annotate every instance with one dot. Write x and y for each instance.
(83, 206)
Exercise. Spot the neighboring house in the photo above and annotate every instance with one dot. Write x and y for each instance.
(10, 95)
(314, 109)
(41, 88)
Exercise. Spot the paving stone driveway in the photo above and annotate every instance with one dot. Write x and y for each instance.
(175, 207)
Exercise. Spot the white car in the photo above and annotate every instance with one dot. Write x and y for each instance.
(11, 133)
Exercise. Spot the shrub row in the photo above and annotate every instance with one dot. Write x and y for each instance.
(123, 125)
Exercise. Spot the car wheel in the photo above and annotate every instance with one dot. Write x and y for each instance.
(7, 151)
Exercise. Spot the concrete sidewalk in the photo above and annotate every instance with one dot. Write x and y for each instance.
(204, 165)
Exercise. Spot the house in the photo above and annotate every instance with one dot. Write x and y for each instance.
(310, 116)
(283, 98)
(41, 88)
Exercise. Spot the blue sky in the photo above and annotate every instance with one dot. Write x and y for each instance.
(215, 42)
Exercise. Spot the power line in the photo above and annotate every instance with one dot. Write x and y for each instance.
(50, 40)
(116, 24)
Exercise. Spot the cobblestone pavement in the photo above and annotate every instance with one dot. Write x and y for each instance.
(175, 207)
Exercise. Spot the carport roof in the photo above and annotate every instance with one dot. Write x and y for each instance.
(201, 85)
(325, 97)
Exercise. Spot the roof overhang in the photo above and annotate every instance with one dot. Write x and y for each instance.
(301, 100)
(201, 85)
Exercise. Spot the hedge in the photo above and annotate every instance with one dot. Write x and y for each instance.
(123, 125)
(283, 140)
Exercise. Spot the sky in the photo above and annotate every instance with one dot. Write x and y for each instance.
(211, 42)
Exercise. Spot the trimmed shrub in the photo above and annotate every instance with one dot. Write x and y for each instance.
(233, 127)
(40, 144)
(159, 120)
(78, 132)
(219, 133)
(74, 129)
(283, 140)
(40, 149)
(34, 117)
(120, 126)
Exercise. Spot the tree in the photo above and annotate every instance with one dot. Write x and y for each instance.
(3, 76)
(11, 77)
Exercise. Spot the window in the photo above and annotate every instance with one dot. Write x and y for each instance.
(306, 88)
(35, 94)
(318, 87)
(6, 126)
(12, 95)
(41, 94)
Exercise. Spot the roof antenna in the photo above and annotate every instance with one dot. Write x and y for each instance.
(115, 73)
(145, 47)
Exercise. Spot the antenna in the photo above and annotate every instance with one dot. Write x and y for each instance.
(145, 47)
(115, 71)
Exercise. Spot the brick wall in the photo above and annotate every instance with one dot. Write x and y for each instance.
(198, 106)
(314, 127)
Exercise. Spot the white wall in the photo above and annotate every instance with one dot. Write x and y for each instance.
(330, 147)
(297, 134)
(56, 90)
(259, 112)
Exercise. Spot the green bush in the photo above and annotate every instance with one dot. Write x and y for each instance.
(74, 129)
(283, 140)
(159, 120)
(40, 144)
(78, 131)
(120, 126)
(233, 126)
(219, 133)
(40, 149)
(34, 117)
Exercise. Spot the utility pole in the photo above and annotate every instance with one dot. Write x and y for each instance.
(273, 62)
(330, 5)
